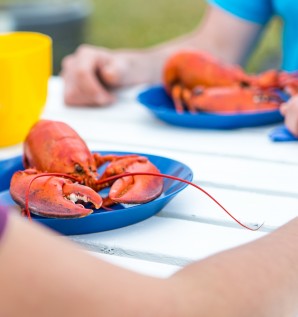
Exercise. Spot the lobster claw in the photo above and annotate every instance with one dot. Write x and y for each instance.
(52, 196)
(133, 189)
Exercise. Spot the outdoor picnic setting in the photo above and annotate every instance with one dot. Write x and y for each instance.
(148, 150)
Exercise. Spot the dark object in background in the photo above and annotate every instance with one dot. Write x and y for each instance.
(64, 22)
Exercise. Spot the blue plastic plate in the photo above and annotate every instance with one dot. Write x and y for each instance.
(101, 220)
(156, 100)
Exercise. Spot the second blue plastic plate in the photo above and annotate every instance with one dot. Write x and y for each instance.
(100, 220)
(156, 100)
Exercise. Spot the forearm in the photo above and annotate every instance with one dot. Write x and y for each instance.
(104, 68)
(258, 279)
(46, 275)
(232, 46)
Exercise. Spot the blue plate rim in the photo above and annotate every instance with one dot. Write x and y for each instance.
(166, 112)
(98, 215)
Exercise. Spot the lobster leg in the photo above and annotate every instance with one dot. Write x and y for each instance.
(177, 92)
(132, 189)
(52, 196)
(102, 159)
(182, 96)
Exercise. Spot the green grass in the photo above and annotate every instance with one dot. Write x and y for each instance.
(141, 23)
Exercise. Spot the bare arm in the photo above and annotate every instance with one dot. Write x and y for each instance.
(90, 69)
(44, 275)
(257, 279)
(223, 35)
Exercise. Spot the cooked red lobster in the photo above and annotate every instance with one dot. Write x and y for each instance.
(197, 81)
(55, 148)
(61, 171)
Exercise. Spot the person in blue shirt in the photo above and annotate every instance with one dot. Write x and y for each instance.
(229, 31)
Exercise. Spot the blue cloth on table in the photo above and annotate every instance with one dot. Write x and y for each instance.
(282, 134)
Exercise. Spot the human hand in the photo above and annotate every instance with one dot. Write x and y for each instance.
(289, 110)
(90, 73)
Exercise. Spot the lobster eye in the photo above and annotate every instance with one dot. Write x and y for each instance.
(198, 91)
(78, 168)
(244, 84)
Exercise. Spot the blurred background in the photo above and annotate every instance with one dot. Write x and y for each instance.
(119, 24)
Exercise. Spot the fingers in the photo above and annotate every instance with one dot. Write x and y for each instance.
(113, 72)
(283, 108)
(290, 111)
(90, 71)
(80, 72)
(129, 67)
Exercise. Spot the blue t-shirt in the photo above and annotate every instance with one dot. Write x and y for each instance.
(261, 11)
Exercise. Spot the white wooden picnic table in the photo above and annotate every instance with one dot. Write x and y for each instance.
(253, 177)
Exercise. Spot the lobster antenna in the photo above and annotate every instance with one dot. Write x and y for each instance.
(27, 211)
(183, 181)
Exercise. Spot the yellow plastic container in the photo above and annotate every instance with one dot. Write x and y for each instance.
(25, 68)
